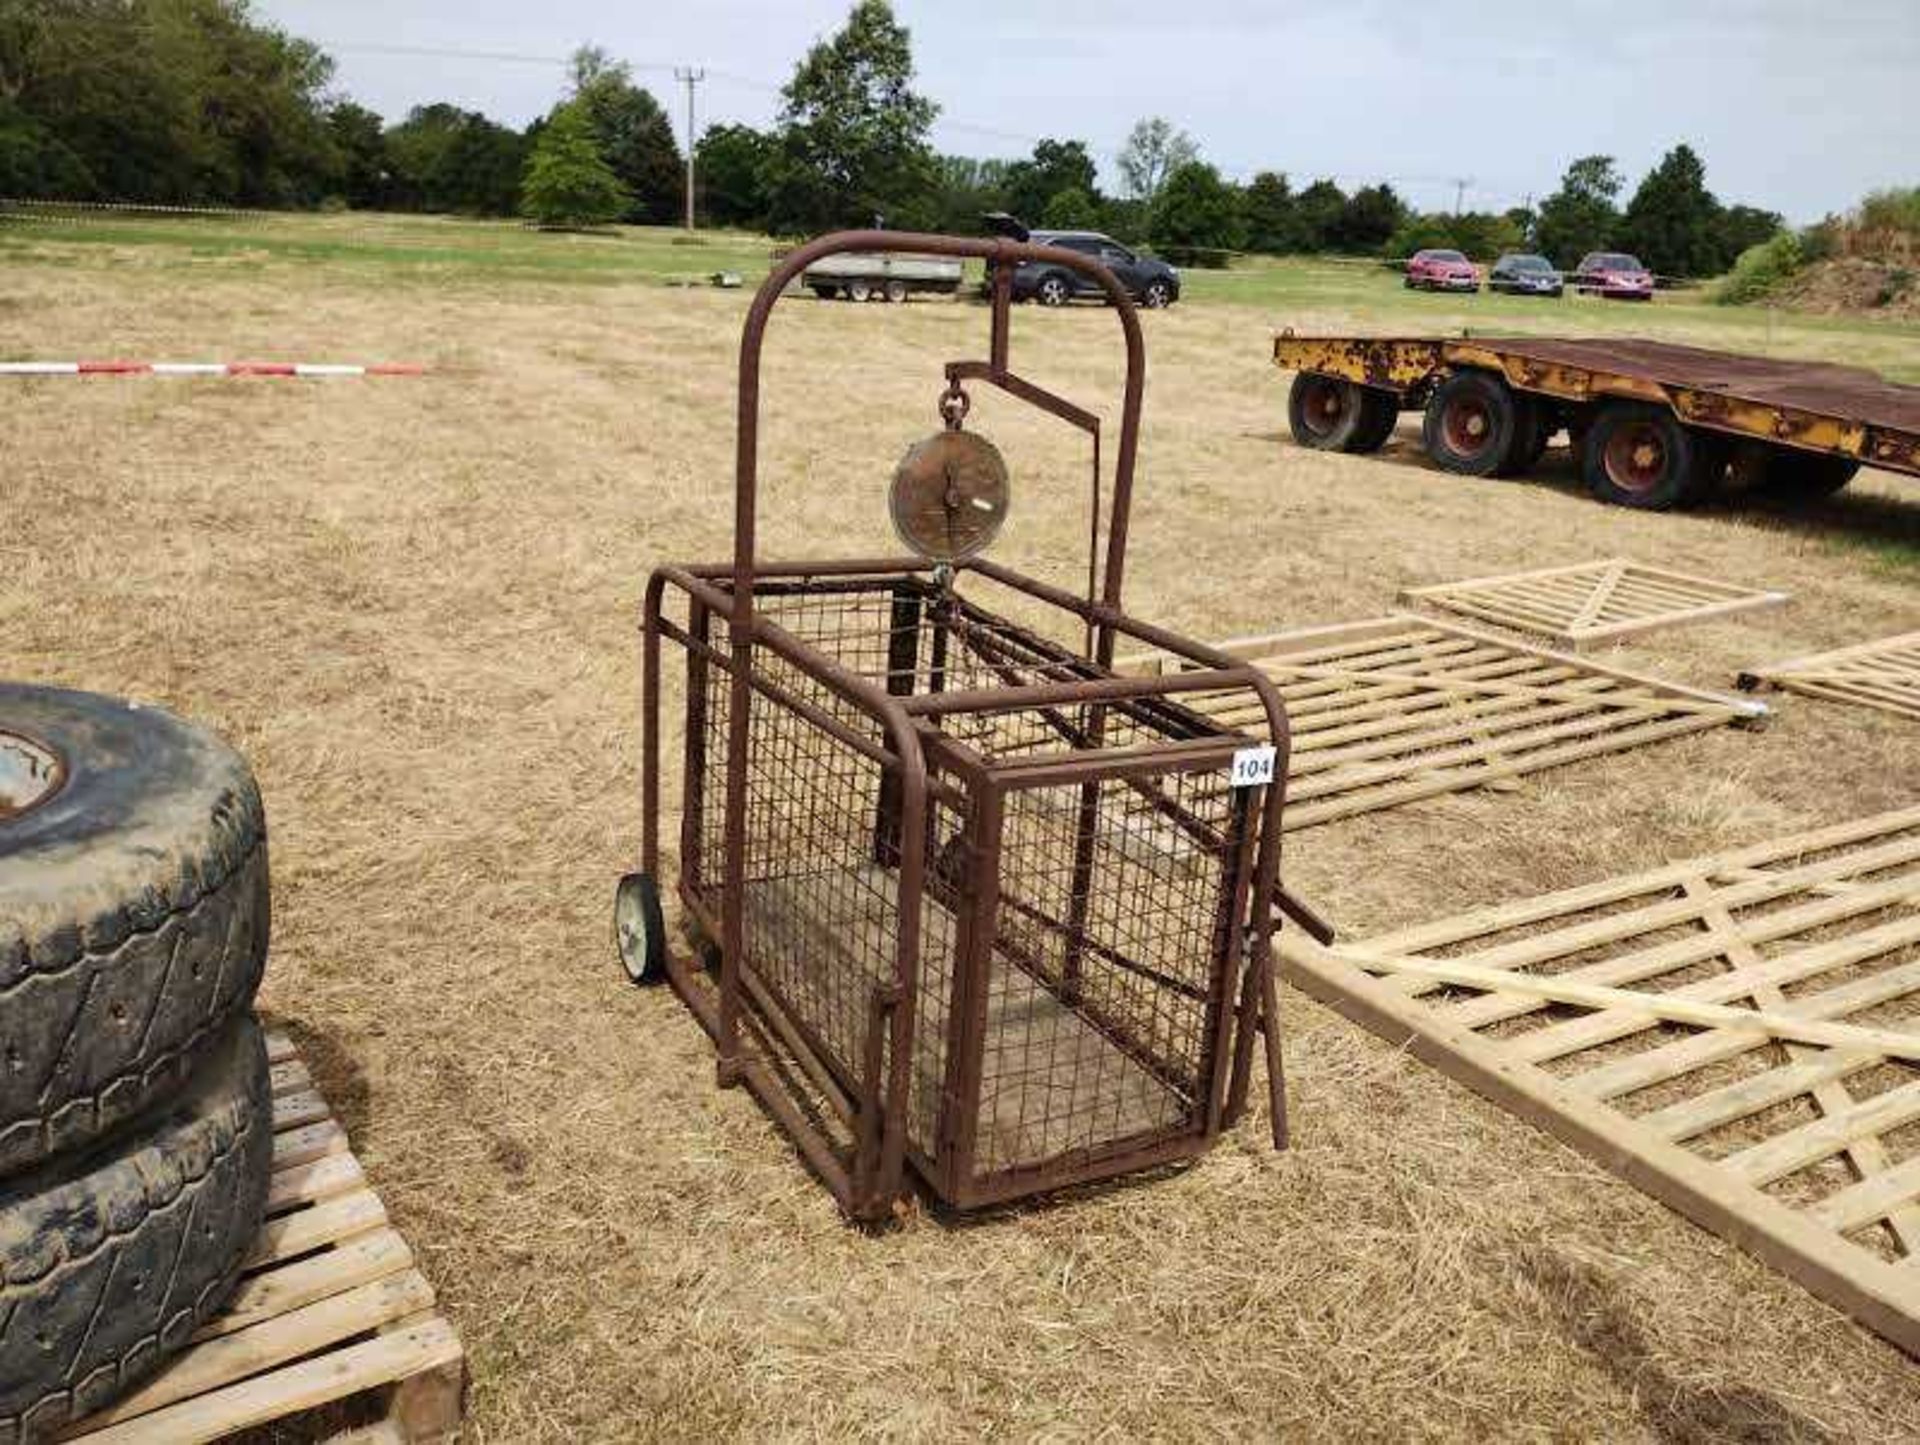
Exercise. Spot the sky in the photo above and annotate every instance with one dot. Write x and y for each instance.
(1800, 106)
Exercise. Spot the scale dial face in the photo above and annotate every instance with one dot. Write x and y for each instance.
(949, 496)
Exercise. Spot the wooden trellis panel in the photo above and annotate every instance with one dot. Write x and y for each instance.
(1594, 601)
(1738, 1035)
(1883, 674)
(1400, 708)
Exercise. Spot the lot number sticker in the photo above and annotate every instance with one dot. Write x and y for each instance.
(1252, 767)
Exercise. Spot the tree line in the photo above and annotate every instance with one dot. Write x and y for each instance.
(197, 102)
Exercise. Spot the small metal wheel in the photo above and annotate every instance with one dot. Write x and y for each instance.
(639, 930)
(1054, 291)
(1157, 295)
(859, 291)
(896, 290)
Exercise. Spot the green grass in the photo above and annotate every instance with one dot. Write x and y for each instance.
(397, 249)
(1317, 293)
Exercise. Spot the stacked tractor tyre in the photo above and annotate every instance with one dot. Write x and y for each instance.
(135, 1111)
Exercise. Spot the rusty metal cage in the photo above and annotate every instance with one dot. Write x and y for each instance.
(970, 903)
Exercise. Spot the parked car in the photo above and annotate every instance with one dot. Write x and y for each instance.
(1149, 280)
(1437, 270)
(1520, 275)
(1615, 274)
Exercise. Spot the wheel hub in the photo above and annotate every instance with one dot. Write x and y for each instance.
(30, 773)
(1636, 459)
(1468, 426)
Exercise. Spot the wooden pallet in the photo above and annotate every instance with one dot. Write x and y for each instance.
(330, 1308)
(1400, 708)
(1738, 1035)
(1594, 601)
(1884, 674)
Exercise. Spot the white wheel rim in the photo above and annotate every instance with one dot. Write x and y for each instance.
(631, 933)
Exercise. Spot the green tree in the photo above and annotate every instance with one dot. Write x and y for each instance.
(1580, 216)
(1199, 216)
(966, 189)
(1368, 218)
(35, 162)
(566, 182)
(1419, 233)
(728, 169)
(171, 101)
(1525, 221)
(1673, 221)
(1055, 166)
(853, 132)
(1153, 152)
(1071, 210)
(442, 158)
(634, 136)
(1744, 227)
(1319, 209)
(360, 145)
(1273, 216)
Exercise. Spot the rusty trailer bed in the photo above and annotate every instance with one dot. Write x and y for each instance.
(1822, 406)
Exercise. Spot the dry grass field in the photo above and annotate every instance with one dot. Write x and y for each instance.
(413, 603)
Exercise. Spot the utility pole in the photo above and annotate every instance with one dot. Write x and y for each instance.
(1460, 185)
(688, 76)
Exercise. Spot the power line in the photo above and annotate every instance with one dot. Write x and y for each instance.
(946, 122)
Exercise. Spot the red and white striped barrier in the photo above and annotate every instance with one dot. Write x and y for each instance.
(205, 368)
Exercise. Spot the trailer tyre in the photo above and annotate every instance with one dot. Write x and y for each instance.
(896, 290)
(1541, 422)
(1473, 424)
(1639, 455)
(112, 1257)
(1379, 415)
(859, 291)
(1805, 476)
(1332, 414)
(133, 914)
(824, 292)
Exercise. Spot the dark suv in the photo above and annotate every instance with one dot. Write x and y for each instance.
(1149, 280)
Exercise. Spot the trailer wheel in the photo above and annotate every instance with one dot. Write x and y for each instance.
(1805, 476)
(1379, 415)
(1324, 412)
(859, 291)
(1472, 424)
(1638, 455)
(825, 293)
(1542, 422)
(896, 290)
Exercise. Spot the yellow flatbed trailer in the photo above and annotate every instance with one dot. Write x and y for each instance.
(1653, 425)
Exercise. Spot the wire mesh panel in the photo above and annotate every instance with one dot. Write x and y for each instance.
(1109, 960)
(1085, 887)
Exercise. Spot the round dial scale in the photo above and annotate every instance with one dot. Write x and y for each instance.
(949, 495)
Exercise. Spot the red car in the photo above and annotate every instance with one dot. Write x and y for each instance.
(1433, 270)
(1614, 273)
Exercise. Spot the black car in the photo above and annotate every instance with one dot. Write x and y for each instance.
(1522, 275)
(1149, 280)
